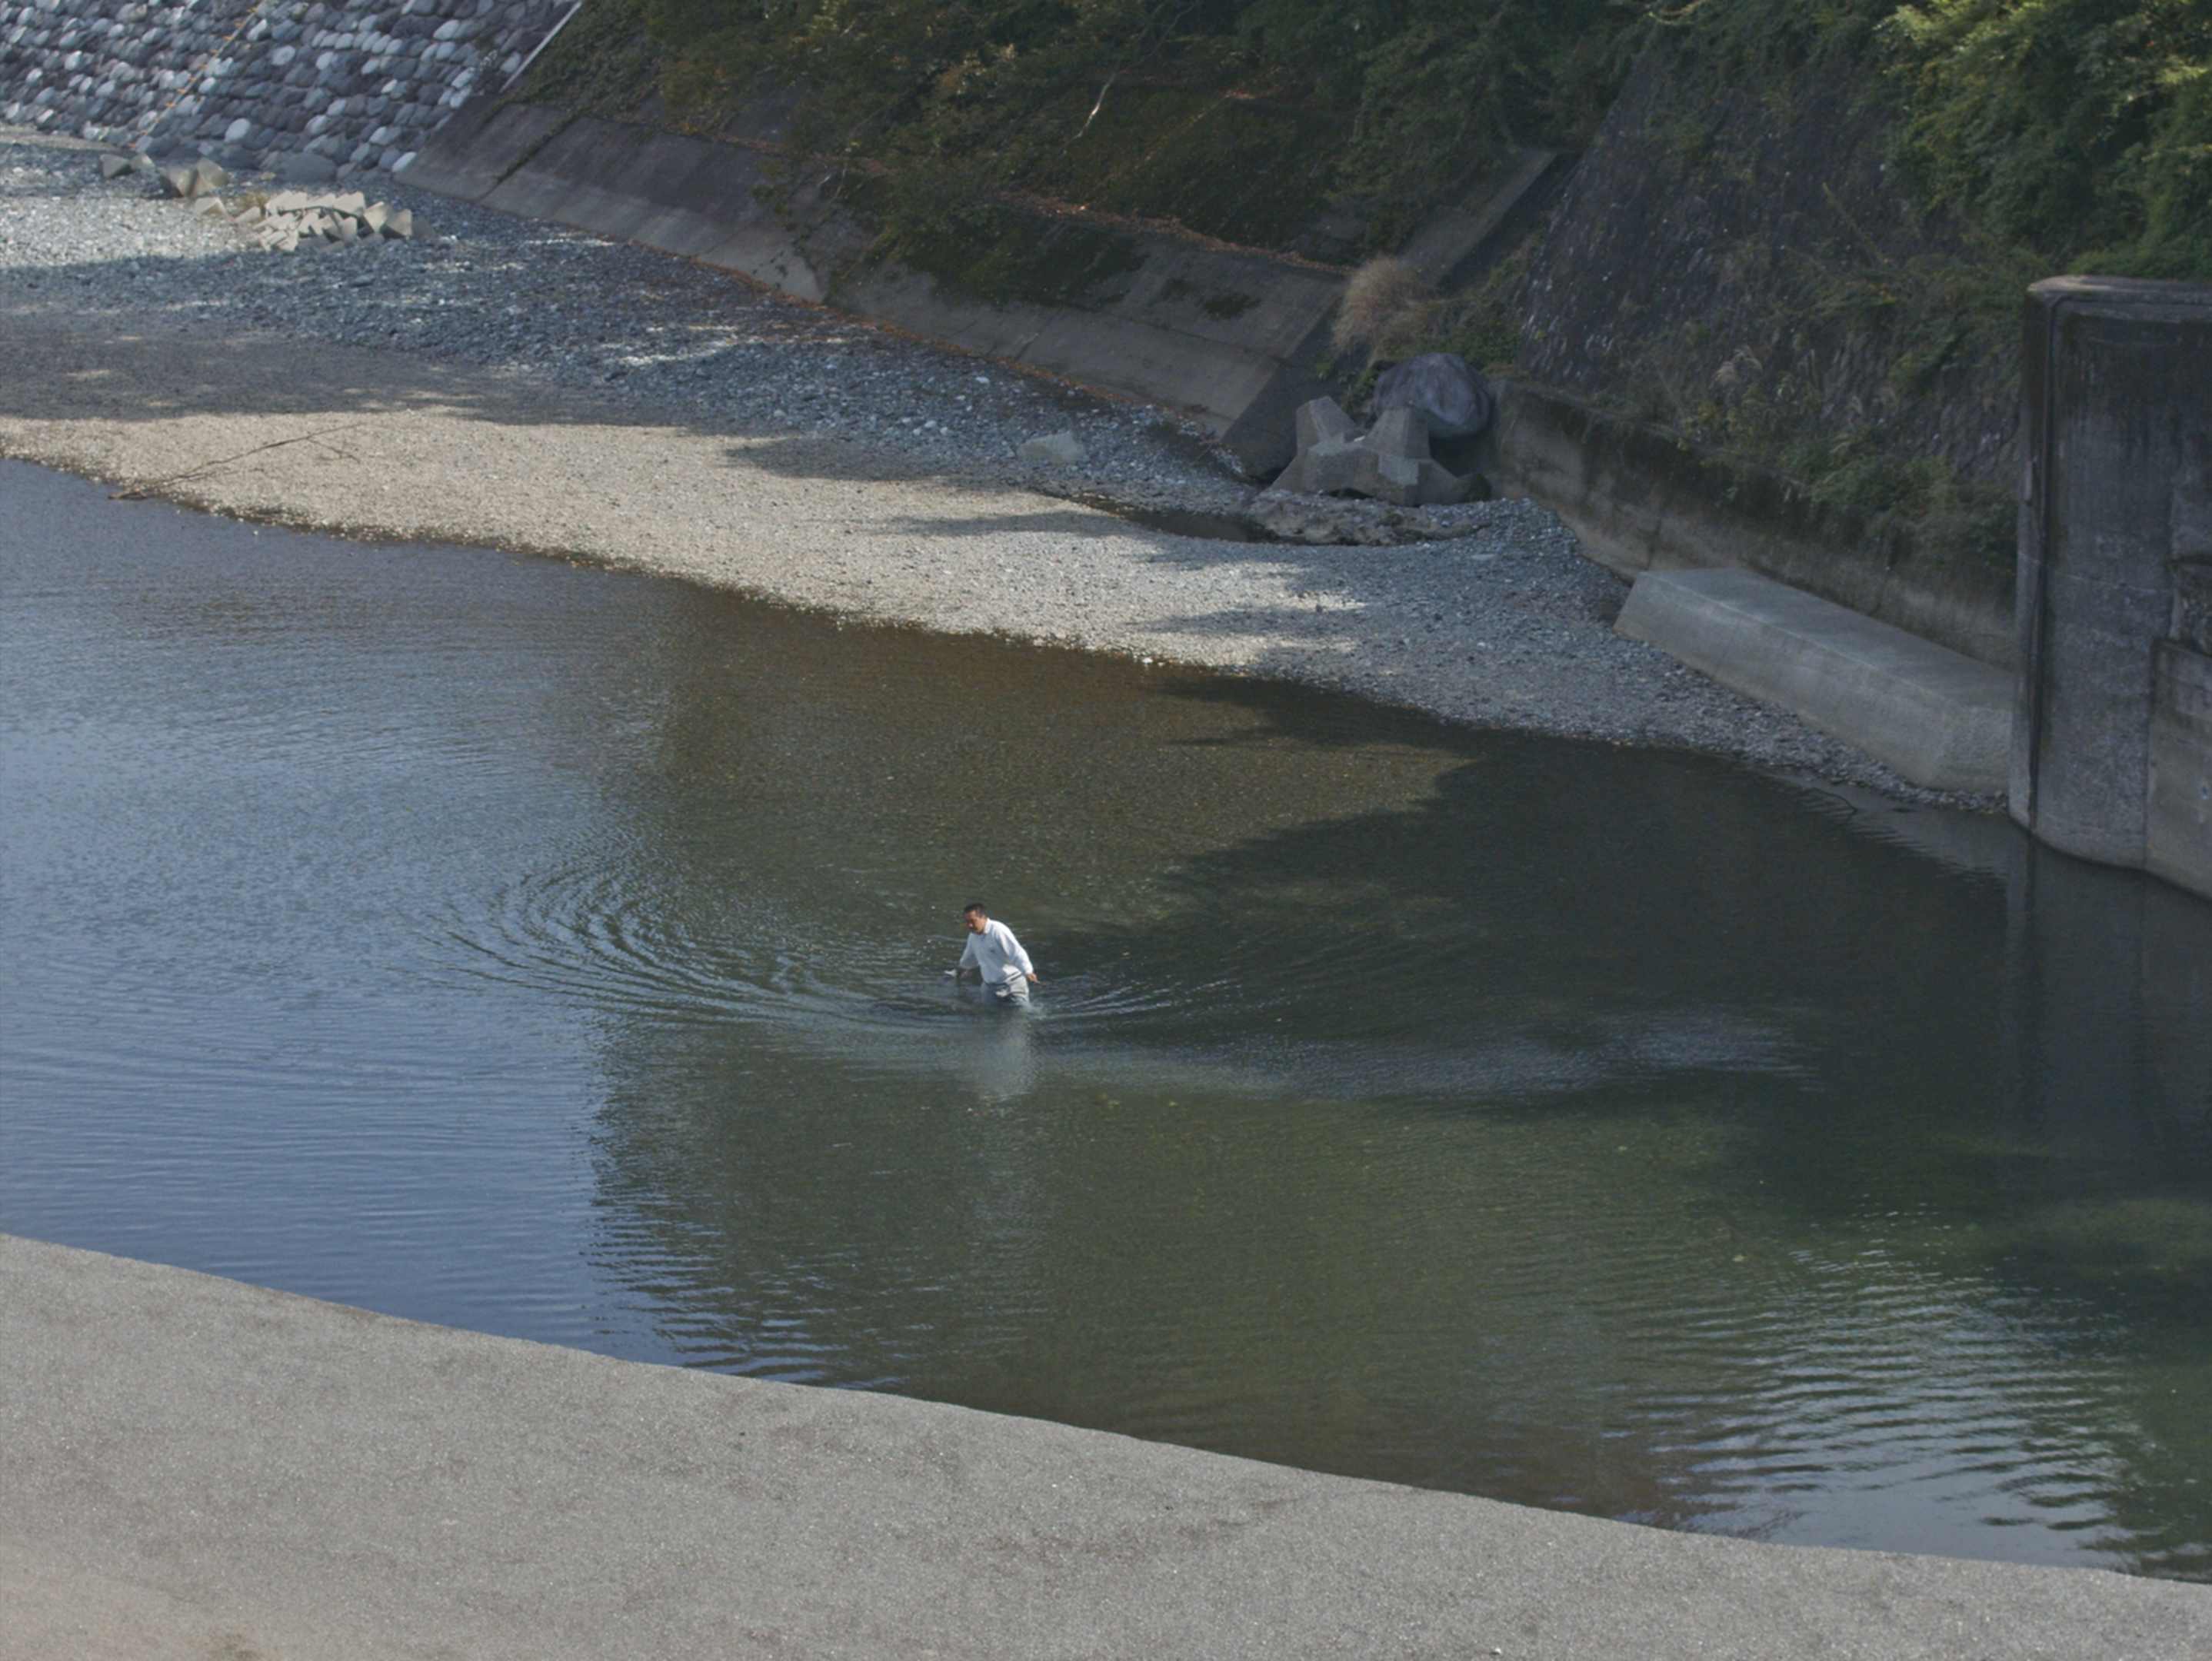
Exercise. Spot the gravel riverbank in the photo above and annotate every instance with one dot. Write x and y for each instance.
(499, 381)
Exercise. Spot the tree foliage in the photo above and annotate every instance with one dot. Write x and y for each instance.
(1383, 101)
(2081, 128)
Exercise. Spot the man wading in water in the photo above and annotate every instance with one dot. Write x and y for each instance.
(997, 957)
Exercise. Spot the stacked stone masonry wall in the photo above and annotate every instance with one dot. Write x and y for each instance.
(259, 83)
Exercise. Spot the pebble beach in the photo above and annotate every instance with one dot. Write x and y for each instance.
(667, 417)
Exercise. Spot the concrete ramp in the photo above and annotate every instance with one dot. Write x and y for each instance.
(194, 1468)
(1940, 718)
(1231, 337)
(1235, 338)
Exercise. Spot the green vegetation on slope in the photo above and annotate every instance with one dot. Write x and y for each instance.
(1240, 118)
(2028, 136)
(2081, 128)
(605, 62)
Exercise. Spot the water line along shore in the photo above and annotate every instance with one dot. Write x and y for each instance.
(195, 1466)
(520, 385)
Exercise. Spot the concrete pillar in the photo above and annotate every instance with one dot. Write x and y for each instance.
(2112, 721)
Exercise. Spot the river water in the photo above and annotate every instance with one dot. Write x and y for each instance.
(559, 952)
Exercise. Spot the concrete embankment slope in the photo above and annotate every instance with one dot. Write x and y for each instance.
(195, 1467)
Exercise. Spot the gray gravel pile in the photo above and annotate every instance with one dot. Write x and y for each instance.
(1501, 619)
(479, 288)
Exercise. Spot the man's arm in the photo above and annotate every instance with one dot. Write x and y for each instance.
(1021, 956)
(967, 960)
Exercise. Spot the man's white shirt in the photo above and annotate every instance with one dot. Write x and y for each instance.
(997, 953)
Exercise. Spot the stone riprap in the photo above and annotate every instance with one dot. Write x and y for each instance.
(309, 91)
(282, 221)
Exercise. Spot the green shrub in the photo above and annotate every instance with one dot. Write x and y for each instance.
(605, 62)
(1239, 119)
(1946, 518)
(2079, 129)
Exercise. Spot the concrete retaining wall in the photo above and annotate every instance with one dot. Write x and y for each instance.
(355, 84)
(1642, 498)
(2112, 731)
(2177, 794)
(1229, 338)
(1234, 338)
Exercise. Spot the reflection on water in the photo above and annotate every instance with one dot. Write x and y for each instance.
(560, 953)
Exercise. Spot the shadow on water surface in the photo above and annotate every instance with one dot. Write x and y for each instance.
(1585, 1126)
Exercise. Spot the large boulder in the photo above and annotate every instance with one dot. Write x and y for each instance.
(1455, 402)
(1392, 463)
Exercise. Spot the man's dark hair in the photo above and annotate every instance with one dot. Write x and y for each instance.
(974, 906)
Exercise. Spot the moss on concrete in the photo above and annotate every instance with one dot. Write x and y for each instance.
(605, 62)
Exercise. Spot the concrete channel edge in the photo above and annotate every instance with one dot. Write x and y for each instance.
(1240, 367)
(192, 1462)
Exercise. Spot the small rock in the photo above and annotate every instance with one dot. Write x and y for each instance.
(1341, 521)
(114, 167)
(1061, 449)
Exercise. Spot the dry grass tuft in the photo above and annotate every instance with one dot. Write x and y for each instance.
(1388, 305)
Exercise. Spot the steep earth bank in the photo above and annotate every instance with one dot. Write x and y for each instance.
(1739, 265)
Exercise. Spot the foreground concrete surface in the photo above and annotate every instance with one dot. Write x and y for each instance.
(195, 1468)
